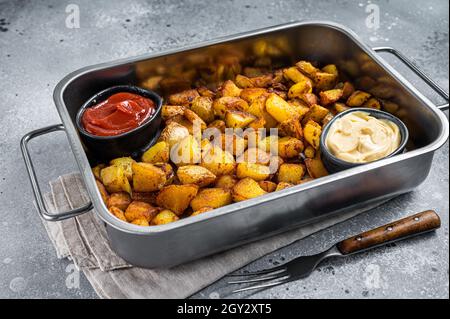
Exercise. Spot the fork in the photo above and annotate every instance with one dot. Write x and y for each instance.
(302, 267)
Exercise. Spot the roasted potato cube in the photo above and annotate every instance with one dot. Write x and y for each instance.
(140, 222)
(158, 153)
(307, 68)
(125, 163)
(194, 174)
(310, 99)
(244, 82)
(291, 173)
(140, 210)
(310, 152)
(228, 103)
(218, 161)
(168, 170)
(183, 98)
(256, 172)
(299, 89)
(228, 88)
(315, 167)
(268, 186)
(176, 197)
(118, 213)
(340, 107)
(201, 211)
(316, 113)
(168, 111)
(366, 83)
(218, 124)
(173, 133)
(289, 147)
(258, 109)
(279, 109)
(358, 98)
(252, 94)
(202, 106)
(254, 155)
(292, 128)
(225, 182)
(331, 68)
(171, 85)
(102, 190)
(194, 119)
(238, 119)
(295, 75)
(205, 92)
(183, 121)
(311, 132)
(347, 90)
(211, 197)
(115, 179)
(186, 152)
(390, 106)
(152, 83)
(120, 200)
(372, 103)
(283, 185)
(149, 198)
(258, 123)
(233, 143)
(262, 81)
(96, 170)
(164, 217)
(147, 177)
(382, 91)
(245, 189)
(330, 96)
(325, 81)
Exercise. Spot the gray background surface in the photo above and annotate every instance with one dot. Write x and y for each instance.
(37, 50)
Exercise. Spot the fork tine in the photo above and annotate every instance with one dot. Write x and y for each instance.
(275, 275)
(260, 272)
(282, 280)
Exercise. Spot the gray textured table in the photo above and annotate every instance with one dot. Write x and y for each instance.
(37, 50)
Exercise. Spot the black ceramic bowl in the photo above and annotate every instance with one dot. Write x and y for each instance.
(131, 143)
(334, 164)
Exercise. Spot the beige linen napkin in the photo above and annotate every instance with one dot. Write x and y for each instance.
(83, 239)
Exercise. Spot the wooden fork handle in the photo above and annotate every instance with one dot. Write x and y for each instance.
(403, 228)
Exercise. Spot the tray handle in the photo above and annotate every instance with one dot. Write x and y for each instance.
(34, 182)
(419, 72)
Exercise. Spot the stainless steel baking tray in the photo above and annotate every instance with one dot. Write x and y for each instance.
(239, 223)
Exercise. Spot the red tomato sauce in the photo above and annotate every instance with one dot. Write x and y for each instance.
(120, 113)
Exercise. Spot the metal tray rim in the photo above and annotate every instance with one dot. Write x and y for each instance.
(83, 164)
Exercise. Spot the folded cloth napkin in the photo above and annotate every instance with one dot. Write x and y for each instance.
(83, 239)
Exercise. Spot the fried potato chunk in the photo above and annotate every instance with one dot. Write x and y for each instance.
(194, 174)
(312, 132)
(140, 210)
(225, 182)
(315, 167)
(158, 153)
(148, 177)
(291, 173)
(164, 217)
(118, 213)
(246, 188)
(256, 172)
(115, 179)
(120, 200)
(176, 197)
(211, 197)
